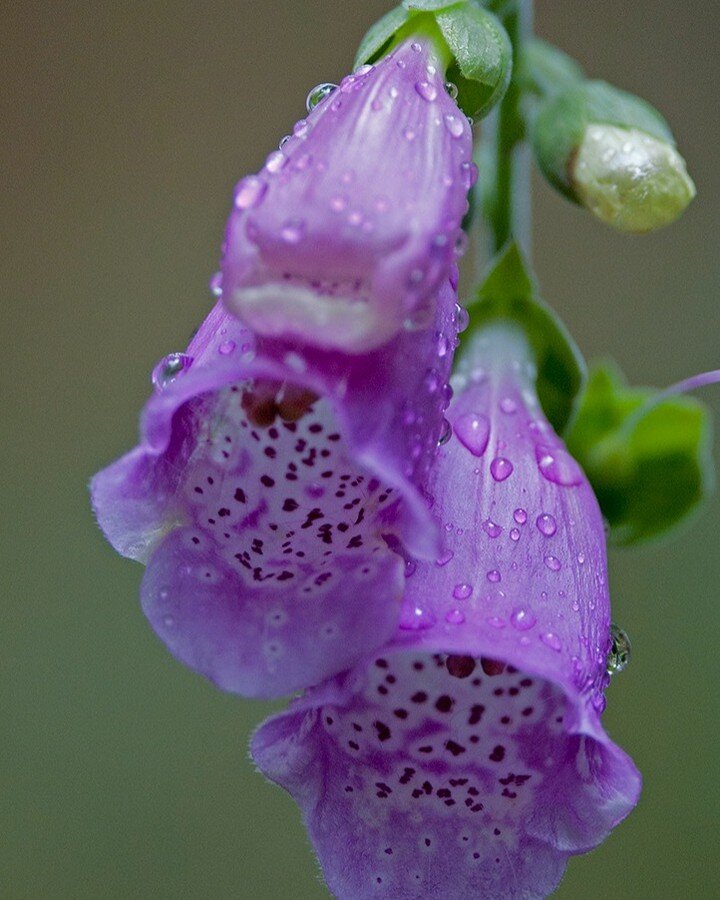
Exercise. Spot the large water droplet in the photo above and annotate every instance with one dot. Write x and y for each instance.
(445, 433)
(557, 466)
(493, 576)
(444, 559)
(319, 93)
(275, 161)
(473, 432)
(169, 368)
(620, 650)
(551, 640)
(414, 618)
(462, 318)
(452, 89)
(249, 192)
(522, 619)
(553, 563)
(455, 125)
(501, 468)
(491, 529)
(546, 524)
(462, 591)
(520, 516)
(426, 90)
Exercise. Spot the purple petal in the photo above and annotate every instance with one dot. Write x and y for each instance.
(350, 229)
(468, 757)
(265, 496)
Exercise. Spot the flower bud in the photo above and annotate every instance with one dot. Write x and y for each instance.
(630, 179)
(614, 154)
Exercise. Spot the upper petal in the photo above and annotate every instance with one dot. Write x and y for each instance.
(350, 228)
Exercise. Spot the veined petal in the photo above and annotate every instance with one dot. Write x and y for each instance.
(467, 758)
(265, 497)
(350, 228)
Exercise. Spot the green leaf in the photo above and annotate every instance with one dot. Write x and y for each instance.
(482, 52)
(563, 119)
(648, 462)
(508, 293)
(380, 34)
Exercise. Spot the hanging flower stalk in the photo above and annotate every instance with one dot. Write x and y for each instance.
(326, 505)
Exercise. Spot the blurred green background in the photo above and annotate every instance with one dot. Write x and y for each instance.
(125, 126)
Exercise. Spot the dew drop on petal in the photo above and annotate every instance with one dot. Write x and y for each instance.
(319, 93)
(249, 192)
(444, 559)
(522, 619)
(473, 432)
(493, 576)
(275, 161)
(462, 591)
(169, 368)
(620, 650)
(426, 90)
(520, 516)
(215, 285)
(515, 534)
(553, 563)
(226, 348)
(292, 231)
(508, 406)
(557, 466)
(501, 468)
(445, 433)
(551, 640)
(455, 617)
(491, 529)
(452, 89)
(455, 125)
(546, 524)
(414, 618)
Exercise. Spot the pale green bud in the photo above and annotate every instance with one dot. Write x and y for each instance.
(629, 179)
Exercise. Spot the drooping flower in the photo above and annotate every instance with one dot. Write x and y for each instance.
(347, 233)
(270, 492)
(467, 758)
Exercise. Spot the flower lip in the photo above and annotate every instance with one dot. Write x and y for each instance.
(370, 190)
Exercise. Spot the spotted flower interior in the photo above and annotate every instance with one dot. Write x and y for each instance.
(440, 770)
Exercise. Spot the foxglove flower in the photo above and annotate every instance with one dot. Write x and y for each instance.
(267, 492)
(346, 235)
(467, 758)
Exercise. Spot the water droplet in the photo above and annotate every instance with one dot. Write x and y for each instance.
(216, 284)
(444, 559)
(442, 346)
(581, 558)
(275, 161)
(455, 617)
(508, 406)
(426, 90)
(410, 568)
(514, 534)
(553, 563)
(557, 466)
(452, 89)
(473, 432)
(462, 591)
(495, 621)
(169, 368)
(168, 621)
(249, 192)
(338, 204)
(620, 650)
(551, 640)
(462, 318)
(501, 468)
(409, 134)
(292, 231)
(413, 618)
(522, 619)
(445, 433)
(493, 576)
(319, 93)
(491, 529)
(415, 47)
(455, 125)
(469, 172)
(520, 516)
(226, 348)
(546, 524)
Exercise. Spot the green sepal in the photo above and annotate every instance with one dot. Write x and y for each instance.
(564, 117)
(477, 44)
(509, 293)
(482, 55)
(649, 462)
(545, 70)
(380, 34)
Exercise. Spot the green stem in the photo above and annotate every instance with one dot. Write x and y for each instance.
(505, 155)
